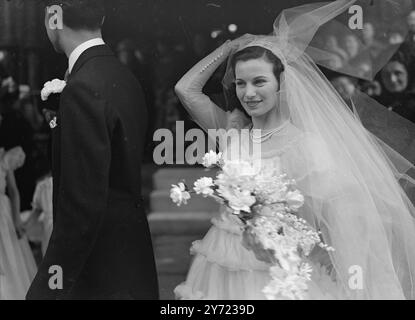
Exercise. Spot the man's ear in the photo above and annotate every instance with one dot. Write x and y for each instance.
(47, 14)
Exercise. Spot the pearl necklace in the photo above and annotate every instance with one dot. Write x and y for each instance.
(264, 137)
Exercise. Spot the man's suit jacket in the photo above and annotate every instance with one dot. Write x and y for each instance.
(101, 239)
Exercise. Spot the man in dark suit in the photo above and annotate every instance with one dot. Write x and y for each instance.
(100, 247)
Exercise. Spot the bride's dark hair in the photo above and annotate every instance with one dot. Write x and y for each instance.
(251, 53)
(256, 52)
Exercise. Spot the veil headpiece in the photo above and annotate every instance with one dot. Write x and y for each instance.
(268, 42)
(358, 184)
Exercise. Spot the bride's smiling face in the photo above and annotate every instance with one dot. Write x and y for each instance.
(256, 86)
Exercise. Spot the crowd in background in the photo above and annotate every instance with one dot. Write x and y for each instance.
(394, 85)
(160, 66)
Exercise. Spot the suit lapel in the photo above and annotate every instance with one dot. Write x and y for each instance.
(66, 75)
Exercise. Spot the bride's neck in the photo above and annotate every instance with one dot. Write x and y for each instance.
(268, 121)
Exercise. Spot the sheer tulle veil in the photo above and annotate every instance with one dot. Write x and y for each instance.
(357, 185)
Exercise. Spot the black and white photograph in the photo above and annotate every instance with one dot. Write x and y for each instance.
(230, 151)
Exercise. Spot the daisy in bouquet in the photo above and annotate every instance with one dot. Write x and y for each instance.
(266, 201)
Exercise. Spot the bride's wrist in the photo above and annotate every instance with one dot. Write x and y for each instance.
(217, 57)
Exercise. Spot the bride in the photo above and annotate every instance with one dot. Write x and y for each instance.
(354, 184)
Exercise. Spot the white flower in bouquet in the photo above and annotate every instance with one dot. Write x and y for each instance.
(271, 210)
(54, 86)
(179, 194)
(288, 285)
(240, 200)
(212, 158)
(271, 187)
(273, 193)
(237, 175)
(234, 192)
(288, 257)
(241, 169)
(204, 186)
(295, 200)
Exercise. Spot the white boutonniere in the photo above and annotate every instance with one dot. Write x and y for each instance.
(54, 86)
(53, 123)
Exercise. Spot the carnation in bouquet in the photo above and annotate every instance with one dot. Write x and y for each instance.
(267, 203)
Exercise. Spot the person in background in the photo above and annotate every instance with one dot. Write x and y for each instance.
(17, 130)
(397, 94)
(408, 46)
(345, 86)
(340, 56)
(359, 59)
(373, 46)
(18, 266)
(42, 208)
(371, 88)
(30, 114)
(136, 61)
(352, 46)
(410, 39)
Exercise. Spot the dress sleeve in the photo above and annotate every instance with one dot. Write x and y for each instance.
(189, 90)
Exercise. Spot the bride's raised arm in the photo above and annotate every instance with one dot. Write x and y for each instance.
(189, 90)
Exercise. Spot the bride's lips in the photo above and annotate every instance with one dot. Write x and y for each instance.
(252, 104)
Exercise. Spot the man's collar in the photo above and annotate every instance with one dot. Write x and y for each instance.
(76, 53)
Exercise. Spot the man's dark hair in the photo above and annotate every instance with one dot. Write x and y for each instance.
(80, 14)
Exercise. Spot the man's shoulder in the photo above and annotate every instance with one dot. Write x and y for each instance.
(103, 70)
(98, 67)
(112, 84)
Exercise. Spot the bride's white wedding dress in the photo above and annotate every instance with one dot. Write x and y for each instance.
(223, 269)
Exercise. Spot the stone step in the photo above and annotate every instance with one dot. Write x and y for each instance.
(180, 223)
(167, 283)
(164, 178)
(172, 252)
(160, 202)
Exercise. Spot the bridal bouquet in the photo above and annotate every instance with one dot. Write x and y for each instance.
(266, 201)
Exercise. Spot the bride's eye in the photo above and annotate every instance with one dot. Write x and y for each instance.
(239, 83)
(260, 82)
